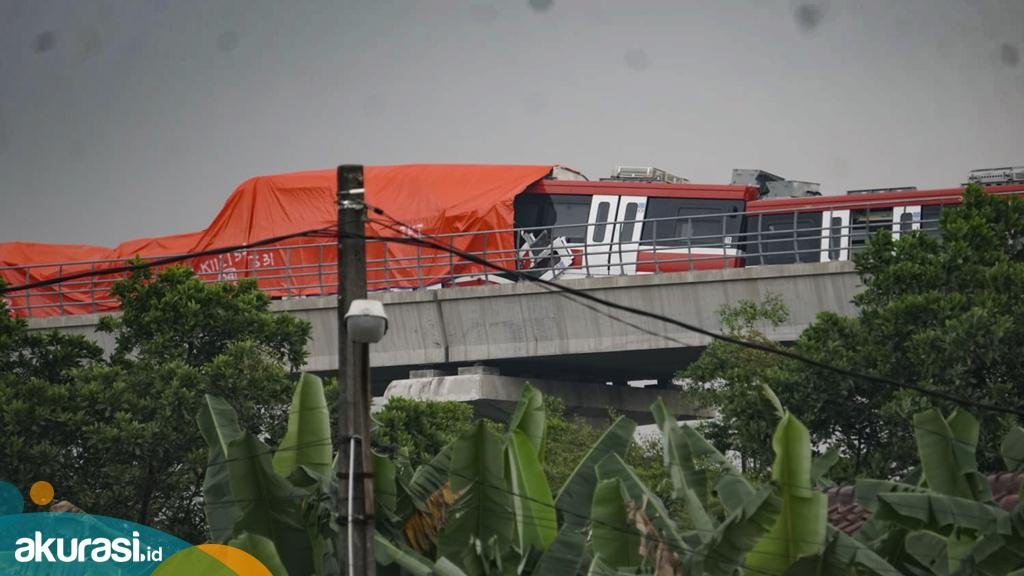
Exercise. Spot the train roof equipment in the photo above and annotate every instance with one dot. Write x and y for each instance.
(993, 176)
(644, 174)
(880, 190)
(772, 185)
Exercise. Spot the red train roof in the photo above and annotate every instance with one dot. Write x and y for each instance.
(650, 189)
(880, 199)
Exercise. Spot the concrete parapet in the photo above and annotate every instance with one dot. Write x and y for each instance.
(495, 396)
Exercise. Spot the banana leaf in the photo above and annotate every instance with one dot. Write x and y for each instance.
(385, 489)
(946, 449)
(262, 549)
(1012, 449)
(307, 441)
(429, 477)
(599, 568)
(820, 466)
(930, 551)
(483, 508)
(388, 553)
(868, 490)
(530, 417)
(536, 521)
(615, 541)
(993, 555)
(575, 497)
(445, 567)
(683, 470)
(799, 530)
(842, 555)
(564, 556)
(736, 537)
(942, 514)
(265, 503)
(218, 424)
(733, 489)
(637, 494)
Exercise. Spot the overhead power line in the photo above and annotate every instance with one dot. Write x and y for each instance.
(563, 290)
(568, 290)
(164, 261)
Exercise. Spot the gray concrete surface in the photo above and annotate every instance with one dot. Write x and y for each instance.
(494, 396)
(528, 331)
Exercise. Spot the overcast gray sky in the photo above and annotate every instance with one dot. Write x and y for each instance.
(127, 119)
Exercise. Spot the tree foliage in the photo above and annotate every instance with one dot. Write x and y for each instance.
(420, 429)
(482, 504)
(943, 312)
(116, 437)
(36, 374)
(730, 378)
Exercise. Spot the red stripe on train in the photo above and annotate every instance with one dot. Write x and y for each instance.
(652, 262)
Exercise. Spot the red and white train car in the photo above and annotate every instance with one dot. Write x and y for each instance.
(578, 228)
(832, 228)
(569, 229)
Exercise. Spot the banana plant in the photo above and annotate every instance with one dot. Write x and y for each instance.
(483, 506)
(949, 524)
(259, 499)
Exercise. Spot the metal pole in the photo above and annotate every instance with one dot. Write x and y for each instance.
(353, 378)
(654, 246)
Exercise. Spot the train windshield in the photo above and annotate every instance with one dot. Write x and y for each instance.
(674, 222)
(564, 214)
(788, 237)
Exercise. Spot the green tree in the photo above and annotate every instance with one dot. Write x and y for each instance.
(420, 429)
(729, 378)
(944, 312)
(118, 436)
(36, 374)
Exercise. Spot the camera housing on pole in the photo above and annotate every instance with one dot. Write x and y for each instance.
(366, 321)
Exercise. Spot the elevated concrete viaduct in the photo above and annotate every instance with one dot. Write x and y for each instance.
(529, 331)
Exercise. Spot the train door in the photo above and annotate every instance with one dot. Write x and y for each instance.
(600, 235)
(835, 235)
(905, 219)
(626, 235)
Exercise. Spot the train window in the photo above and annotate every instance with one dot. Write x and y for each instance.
(788, 237)
(602, 219)
(930, 219)
(864, 223)
(569, 212)
(626, 235)
(691, 222)
(835, 238)
(906, 222)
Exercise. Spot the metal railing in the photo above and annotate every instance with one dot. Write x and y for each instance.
(561, 252)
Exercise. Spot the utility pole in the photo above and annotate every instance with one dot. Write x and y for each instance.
(355, 545)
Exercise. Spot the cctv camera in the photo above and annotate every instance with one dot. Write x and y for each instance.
(366, 321)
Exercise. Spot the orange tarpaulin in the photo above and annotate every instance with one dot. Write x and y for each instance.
(156, 247)
(28, 262)
(427, 199)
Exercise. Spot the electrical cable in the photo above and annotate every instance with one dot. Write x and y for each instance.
(163, 261)
(425, 241)
(407, 238)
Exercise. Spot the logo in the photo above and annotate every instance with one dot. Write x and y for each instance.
(74, 543)
(42, 549)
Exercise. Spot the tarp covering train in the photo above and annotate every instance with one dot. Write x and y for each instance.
(426, 199)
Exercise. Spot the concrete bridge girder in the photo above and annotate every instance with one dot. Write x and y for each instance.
(526, 330)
